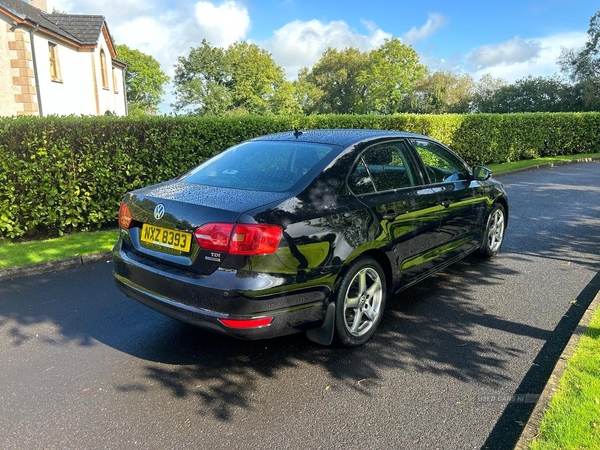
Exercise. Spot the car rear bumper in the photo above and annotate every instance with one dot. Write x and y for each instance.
(202, 300)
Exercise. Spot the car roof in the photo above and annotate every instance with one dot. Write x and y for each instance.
(341, 137)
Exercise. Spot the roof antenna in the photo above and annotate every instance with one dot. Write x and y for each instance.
(297, 133)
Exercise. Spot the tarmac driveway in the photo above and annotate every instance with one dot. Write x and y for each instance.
(82, 366)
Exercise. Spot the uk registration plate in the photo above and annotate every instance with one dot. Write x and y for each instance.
(164, 237)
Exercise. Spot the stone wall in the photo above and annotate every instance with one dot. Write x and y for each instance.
(16, 73)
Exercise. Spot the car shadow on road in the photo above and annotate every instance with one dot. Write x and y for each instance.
(426, 329)
(434, 328)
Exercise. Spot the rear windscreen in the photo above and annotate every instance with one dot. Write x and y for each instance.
(261, 166)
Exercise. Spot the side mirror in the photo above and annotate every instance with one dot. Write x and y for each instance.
(481, 173)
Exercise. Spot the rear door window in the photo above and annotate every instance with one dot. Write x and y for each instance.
(383, 167)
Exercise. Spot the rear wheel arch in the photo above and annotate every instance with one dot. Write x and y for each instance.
(384, 262)
(377, 255)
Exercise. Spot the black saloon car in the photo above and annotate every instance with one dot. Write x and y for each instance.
(305, 231)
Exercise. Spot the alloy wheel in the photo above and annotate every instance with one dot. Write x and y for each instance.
(363, 301)
(496, 232)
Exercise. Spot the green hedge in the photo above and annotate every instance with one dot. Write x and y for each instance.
(58, 174)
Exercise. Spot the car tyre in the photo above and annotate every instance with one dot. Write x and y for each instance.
(360, 302)
(494, 232)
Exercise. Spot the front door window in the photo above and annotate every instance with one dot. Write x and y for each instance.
(441, 165)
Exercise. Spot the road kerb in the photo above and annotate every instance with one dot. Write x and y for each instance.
(546, 166)
(51, 266)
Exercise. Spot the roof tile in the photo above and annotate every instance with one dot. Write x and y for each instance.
(82, 29)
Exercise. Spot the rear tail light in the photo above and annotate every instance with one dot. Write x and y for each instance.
(255, 239)
(247, 323)
(125, 219)
(240, 239)
(214, 236)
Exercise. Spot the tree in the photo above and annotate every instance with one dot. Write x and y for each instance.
(583, 65)
(241, 79)
(485, 89)
(258, 83)
(535, 94)
(306, 93)
(391, 74)
(285, 99)
(441, 93)
(144, 80)
(350, 81)
(202, 81)
(334, 82)
(585, 96)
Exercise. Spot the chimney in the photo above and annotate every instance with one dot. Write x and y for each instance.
(40, 4)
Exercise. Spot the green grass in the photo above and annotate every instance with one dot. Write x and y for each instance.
(572, 420)
(506, 167)
(14, 254)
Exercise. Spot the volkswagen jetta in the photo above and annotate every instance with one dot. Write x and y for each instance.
(305, 231)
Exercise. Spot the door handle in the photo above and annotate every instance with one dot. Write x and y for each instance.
(390, 215)
(446, 202)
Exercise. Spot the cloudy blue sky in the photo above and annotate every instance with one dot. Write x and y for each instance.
(509, 39)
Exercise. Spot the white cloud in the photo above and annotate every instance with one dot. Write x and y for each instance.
(224, 24)
(144, 33)
(116, 9)
(434, 22)
(512, 62)
(510, 52)
(166, 31)
(298, 44)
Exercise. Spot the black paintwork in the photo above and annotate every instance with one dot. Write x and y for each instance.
(340, 137)
(411, 232)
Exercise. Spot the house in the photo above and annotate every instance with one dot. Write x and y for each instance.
(57, 64)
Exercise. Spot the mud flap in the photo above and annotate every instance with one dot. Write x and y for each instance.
(324, 334)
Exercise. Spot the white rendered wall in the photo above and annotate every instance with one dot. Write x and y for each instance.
(80, 90)
(108, 100)
(119, 99)
(74, 94)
